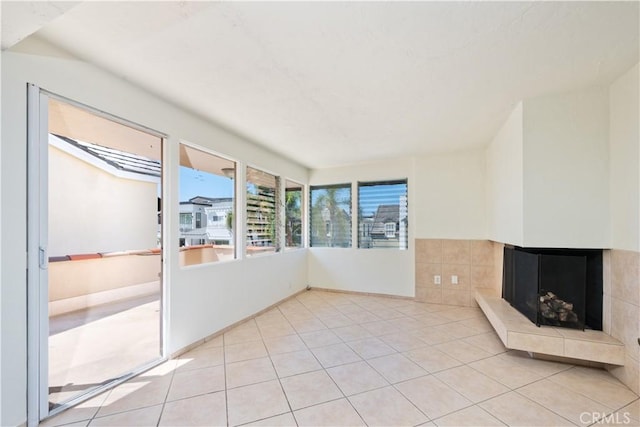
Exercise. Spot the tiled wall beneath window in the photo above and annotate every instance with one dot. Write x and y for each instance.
(476, 263)
(622, 310)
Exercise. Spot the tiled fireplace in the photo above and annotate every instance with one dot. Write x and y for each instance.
(478, 266)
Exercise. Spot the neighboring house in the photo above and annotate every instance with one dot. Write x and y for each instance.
(118, 207)
(203, 220)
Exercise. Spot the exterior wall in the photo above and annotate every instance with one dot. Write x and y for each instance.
(92, 211)
(566, 170)
(198, 296)
(505, 181)
(477, 263)
(622, 263)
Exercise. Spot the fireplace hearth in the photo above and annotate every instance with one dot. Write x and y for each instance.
(555, 287)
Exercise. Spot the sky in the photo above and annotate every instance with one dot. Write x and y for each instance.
(198, 183)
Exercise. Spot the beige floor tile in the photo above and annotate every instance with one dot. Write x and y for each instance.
(596, 384)
(516, 410)
(250, 372)
(356, 378)
(295, 363)
(380, 327)
(563, 401)
(406, 323)
(206, 410)
(320, 338)
(334, 355)
(456, 330)
(284, 420)
(330, 414)
(248, 331)
(310, 389)
(471, 384)
(432, 337)
(352, 333)
(79, 413)
(148, 416)
(200, 358)
(336, 321)
(256, 402)
(633, 410)
(505, 371)
(244, 351)
(196, 382)
(395, 368)
(473, 416)
(285, 344)
(386, 407)
(135, 393)
(363, 317)
(388, 313)
(432, 360)
(213, 342)
(403, 341)
(488, 341)
(277, 330)
(464, 352)
(480, 324)
(370, 347)
(544, 368)
(432, 396)
(431, 319)
(307, 325)
(461, 313)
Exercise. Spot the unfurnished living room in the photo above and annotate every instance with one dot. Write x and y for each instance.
(320, 213)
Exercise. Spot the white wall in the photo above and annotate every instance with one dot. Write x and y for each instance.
(199, 297)
(624, 157)
(383, 271)
(92, 211)
(505, 181)
(450, 200)
(566, 170)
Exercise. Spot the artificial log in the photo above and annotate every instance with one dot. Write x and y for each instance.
(553, 308)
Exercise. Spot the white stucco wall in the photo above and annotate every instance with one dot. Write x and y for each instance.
(504, 181)
(449, 197)
(566, 170)
(198, 297)
(92, 211)
(624, 143)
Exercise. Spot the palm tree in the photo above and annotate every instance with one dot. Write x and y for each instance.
(293, 216)
(330, 217)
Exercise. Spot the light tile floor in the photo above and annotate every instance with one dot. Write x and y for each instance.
(328, 359)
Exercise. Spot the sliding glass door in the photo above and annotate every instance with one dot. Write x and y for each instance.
(95, 224)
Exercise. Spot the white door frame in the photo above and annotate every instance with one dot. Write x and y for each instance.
(38, 258)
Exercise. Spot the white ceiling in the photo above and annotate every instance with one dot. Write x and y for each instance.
(332, 83)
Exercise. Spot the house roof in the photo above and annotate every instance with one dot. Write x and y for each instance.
(385, 214)
(120, 160)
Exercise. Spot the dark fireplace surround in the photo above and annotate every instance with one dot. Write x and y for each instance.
(555, 287)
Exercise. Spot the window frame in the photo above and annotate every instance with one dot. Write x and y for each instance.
(329, 229)
(365, 235)
(204, 216)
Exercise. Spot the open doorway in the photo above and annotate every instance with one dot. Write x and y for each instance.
(100, 244)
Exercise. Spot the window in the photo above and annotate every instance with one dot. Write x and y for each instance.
(293, 214)
(206, 207)
(331, 215)
(262, 201)
(382, 214)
